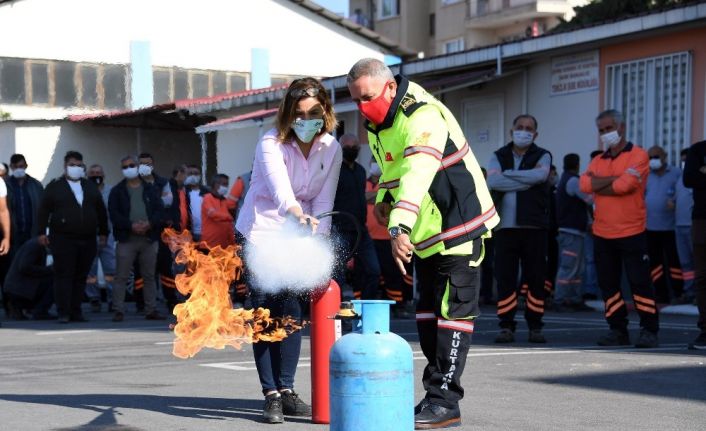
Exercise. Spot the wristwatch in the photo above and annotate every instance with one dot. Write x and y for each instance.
(396, 231)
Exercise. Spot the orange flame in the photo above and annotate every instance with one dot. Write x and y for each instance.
(207, 318)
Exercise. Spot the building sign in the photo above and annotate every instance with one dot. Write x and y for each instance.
(575, 73)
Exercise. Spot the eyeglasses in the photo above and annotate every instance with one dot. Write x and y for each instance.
(301, 92)
(655, 157)
(131, 165)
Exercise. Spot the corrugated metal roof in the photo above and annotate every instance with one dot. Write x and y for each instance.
(226, 123)
(232, 100)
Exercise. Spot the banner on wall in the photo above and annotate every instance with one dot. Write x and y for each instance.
(575, 73)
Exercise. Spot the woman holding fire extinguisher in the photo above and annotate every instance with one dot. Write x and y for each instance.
(295, 174)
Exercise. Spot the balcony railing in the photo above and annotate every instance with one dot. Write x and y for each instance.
(478, 8)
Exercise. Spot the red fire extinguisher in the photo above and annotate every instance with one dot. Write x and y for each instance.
(325, 303)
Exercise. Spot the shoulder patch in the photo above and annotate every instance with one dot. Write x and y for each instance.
(409, 104)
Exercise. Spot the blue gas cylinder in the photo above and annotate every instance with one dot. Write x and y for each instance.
(371, 375)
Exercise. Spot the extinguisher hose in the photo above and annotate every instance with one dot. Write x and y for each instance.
(358, 229)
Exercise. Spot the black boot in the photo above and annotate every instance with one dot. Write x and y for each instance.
(434, 416)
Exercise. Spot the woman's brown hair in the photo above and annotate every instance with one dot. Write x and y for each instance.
(299, 89)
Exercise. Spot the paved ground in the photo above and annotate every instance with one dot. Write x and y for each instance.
(106, 376)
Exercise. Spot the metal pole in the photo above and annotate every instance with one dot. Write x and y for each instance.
(203, 158)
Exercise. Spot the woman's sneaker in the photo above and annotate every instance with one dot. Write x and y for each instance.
(293, 405)
(272, 413)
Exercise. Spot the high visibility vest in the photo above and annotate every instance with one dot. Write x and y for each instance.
(430, 175)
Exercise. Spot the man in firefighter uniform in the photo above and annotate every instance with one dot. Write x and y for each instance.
(436, 204)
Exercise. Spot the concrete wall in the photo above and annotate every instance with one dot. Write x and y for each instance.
(44, 144)
(208, 34)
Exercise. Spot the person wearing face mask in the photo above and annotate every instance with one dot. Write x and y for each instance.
(25, 193)
(350, 198)
(195, 192)
(617, 178)
(73, 210)
(660, 201)
(105, 255)
(171, 213)
(519, 180)
(436, 205)
(217, 214)
(294, 178)
(137, 213)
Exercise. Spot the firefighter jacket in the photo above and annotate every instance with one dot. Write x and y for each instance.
(430, 175)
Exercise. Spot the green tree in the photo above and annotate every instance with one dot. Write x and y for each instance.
(610, 10)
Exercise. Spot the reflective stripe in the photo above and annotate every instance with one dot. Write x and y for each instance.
(645, 308)
(611, 300)
(456, 231)
(534, 308)
(609, 312)
(456, 325)
(455, 157)
(390, 184)
(420, 149)
(503, 310)
(644, 300)
(535, 301)
(507, 300)
(406, 205)
(426, 316)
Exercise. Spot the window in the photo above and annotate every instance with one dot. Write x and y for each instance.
(40, 82)
(432, 24)
(12, 80)
(219, 83)
(89, 85)
(482, 7)
(181, 84)
(389, 8)
(654, 94)
(237, 83)
(199, 84)
(455, 45)
(64, 85)
(114, 86)
(162, 80)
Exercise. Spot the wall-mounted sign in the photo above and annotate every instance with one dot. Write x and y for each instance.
(575, 73)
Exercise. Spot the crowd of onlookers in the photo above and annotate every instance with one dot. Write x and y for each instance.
(560, 236)
(80, 239)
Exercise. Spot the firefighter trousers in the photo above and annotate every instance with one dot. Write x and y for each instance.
(517, 248)
(612, 255)
(448, 304)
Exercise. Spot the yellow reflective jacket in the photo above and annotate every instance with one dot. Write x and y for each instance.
(430, 175)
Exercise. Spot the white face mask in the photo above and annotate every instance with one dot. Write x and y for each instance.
(222, 190)
(145, 170)
(130, 173)
(655, 164)
(74, 172)
(18, 173)
(610, 139)
(682, 165)
(522, 138)
(192, 180)
(307, 129)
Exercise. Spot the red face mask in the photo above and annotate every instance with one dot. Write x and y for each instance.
(375, 110)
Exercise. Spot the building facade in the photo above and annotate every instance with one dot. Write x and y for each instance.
(438, 27)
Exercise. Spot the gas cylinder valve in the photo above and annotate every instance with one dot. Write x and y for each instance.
(346, 312)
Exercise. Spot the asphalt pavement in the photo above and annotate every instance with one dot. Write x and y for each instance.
(107, 376)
